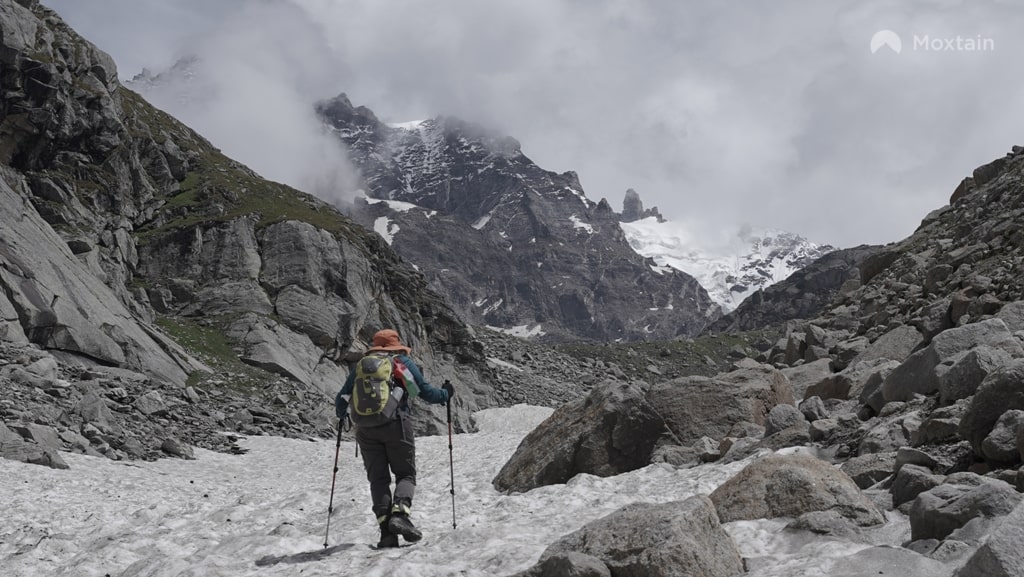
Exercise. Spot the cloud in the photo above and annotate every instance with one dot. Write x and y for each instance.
(721, 114)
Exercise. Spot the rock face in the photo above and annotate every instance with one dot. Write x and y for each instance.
(611, 431)
(508, 243)
(633, 208)
(130, 242)
(790, 486)
(658, 540)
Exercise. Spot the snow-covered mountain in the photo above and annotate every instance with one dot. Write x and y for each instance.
(753, 260)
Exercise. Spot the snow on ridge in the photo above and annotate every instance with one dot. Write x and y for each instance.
(577, 223)
(411, 125)
(387, 229)
(755, 259)
(521, 331)
(482, 221)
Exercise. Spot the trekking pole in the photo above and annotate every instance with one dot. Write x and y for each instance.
(451, 459)
(334, 476)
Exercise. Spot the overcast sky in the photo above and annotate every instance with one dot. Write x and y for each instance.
(772, 114)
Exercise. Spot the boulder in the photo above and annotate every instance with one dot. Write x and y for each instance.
(1013, 315)
(568, 564)
(612, 430)
(936, 513)
(13, 447)
(884, 561)
(694, 407)
(789, 486)
(1000, 445)
(813, 408)
(961, 379)
(801, 377)
(910, 481)
(1002, 554)
(866, 470)
(850, 382)
(151, 404)
(1001, 391)
(895, 345)
(871, 392)
(676, 539)
(921, 372)
(782, 417)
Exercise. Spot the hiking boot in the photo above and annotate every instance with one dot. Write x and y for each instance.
(387, 538)
(401, 524)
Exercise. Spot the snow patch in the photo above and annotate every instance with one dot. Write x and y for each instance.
(521, 331)
(412, 125)
(482, 221)
(502, 363)
(387, 229)
(577, 223)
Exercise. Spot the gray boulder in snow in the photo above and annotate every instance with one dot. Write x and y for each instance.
(789, 486)
(936, 513)
(1002, 555)
(695, 407)
(15, 448)
(678, 539)
(887, 561)
(612, 430)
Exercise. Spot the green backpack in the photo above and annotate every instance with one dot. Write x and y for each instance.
(378, 389)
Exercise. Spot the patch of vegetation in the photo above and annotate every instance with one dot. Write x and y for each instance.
(205, 339)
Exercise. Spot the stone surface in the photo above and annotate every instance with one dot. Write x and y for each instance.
(1001, 391)
(1001, 445)
(677, 539)
(789, 486)
(938, 512)
(1001, 555)
(866, 470)
(611, 431)
(782, 417)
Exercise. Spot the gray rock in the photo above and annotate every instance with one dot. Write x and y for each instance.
(176, 448)
(886, 436)
(1013, 315)
(813, 408)
(677, 539)
(567, 564)
(962, 378)
(850, 382)
(93, 410)
(871, 393)
(789, 486)
(866, 470)
(1001, 444)
(40, 434)
(911, 481)
(938, 512)
(1001, 555)
(611, 431)
(803, 376)
(830, 523)
(895, 345)
(781, 417)
(45, 368)
(921, 373)
(1001, 391)
(13, 447)
(151, 404)
(882, 560)
(694, 407)
(822, 429)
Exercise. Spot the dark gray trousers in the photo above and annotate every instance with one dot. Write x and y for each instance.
(389, 449)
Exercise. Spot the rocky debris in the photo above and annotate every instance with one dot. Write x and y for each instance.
(1000, 392)
(613, 430)
(26, 449)
(660, 540)
(866, 470)
(789, 486)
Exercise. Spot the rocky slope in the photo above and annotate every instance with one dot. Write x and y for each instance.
(910, 380)
(509, 244)
(138, 259)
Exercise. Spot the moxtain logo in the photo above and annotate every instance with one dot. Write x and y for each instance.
(929, 43)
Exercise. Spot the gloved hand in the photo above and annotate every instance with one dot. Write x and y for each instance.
(447, 386)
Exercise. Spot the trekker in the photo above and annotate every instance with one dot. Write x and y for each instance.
(388, 444)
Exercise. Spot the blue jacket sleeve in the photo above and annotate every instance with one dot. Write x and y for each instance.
(341, 399)
(428, 392)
